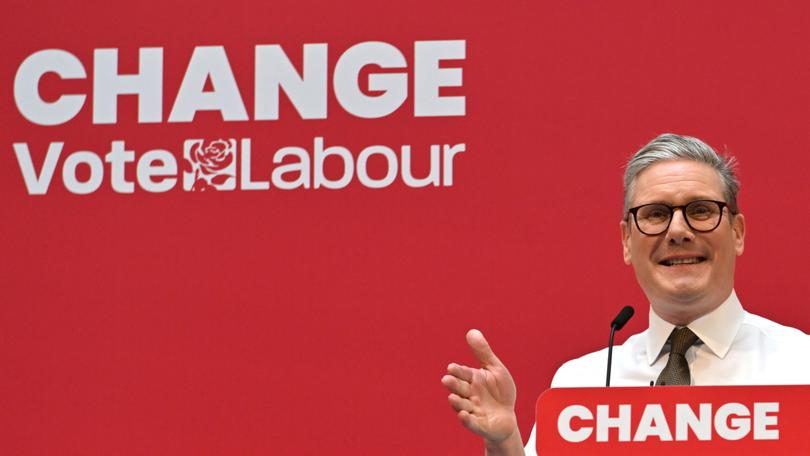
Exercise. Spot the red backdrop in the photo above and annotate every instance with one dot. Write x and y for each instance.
(315, 320)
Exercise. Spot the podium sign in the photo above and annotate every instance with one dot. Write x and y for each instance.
(717, 420)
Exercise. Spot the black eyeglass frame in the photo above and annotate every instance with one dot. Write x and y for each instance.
(683, 207)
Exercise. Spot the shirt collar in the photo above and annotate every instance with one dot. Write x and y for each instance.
(716, 329)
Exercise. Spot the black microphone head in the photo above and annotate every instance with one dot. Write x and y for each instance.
(624, 316)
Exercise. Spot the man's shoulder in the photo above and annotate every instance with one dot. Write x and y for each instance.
(775, 333)
(770, 327)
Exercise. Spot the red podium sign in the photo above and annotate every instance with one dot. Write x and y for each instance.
(713, 420)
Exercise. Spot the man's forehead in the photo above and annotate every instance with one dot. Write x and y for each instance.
(677, 181)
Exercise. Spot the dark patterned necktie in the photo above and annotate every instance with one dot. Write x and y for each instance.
(676, 372)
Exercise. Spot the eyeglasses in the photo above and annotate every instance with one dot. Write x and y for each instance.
(702, 216)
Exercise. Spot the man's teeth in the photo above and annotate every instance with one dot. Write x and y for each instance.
(674, 261)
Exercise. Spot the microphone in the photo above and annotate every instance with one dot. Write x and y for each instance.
(618, 323)
(624, 316)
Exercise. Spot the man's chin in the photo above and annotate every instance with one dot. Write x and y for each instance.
(684, 292)
(683, 286)
(685, 296)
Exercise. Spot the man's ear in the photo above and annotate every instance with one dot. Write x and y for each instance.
(625, 241)
(738, 227)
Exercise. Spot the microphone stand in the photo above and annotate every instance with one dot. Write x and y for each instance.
(610, 353)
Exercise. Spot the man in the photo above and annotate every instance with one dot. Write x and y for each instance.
(681, 232)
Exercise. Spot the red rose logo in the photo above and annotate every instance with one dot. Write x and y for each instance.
(209, 166)
(214, 157)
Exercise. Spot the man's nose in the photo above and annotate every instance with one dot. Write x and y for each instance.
(679, 231)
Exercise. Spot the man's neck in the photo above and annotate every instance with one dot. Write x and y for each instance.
(684, 313)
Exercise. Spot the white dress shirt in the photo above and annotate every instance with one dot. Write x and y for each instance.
(734, 348)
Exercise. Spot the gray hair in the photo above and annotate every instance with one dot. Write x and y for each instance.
(669, 146)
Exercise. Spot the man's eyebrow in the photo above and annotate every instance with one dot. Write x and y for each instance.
(669, 202)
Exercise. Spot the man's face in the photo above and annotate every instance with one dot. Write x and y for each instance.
(680, 293)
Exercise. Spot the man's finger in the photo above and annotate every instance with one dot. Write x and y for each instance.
(456, 385)
(459, 403)
(468, 420)
(481, 349)
(463, 372)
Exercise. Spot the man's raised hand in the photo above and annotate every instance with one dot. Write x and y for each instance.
(484, 398)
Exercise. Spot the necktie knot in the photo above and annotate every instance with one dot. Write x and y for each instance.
(681, 339)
